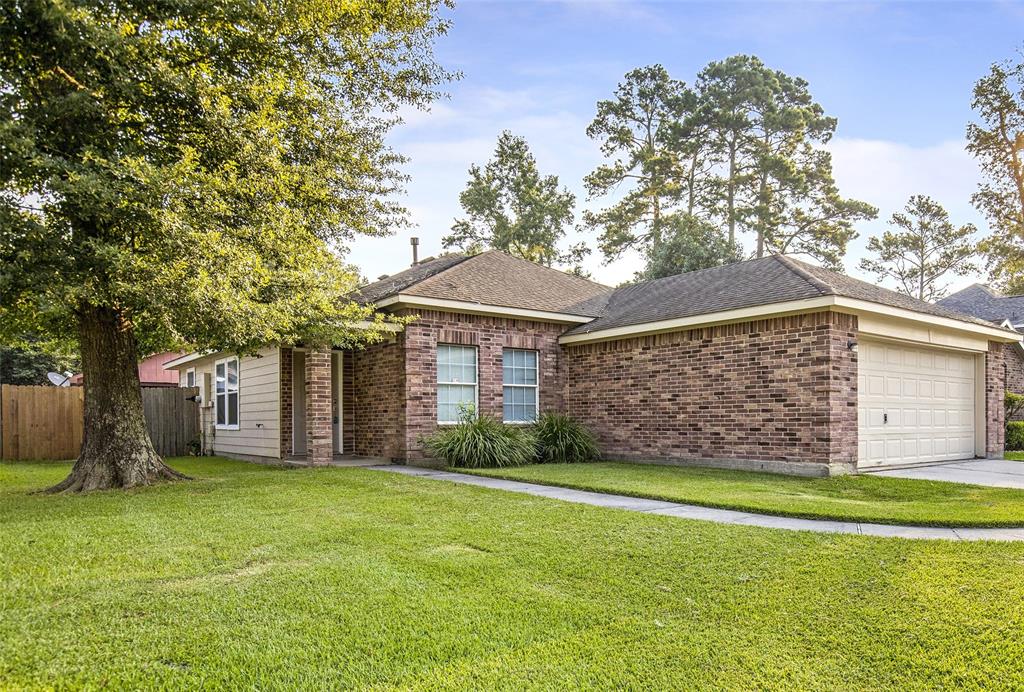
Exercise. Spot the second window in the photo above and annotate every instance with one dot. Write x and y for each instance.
(519, 369)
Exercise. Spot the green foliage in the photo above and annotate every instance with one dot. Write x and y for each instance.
(996, 142)
(743, 148)
(198, 166)
(638, 129)
(561, 439)
(511, 207)
(1013, 403)
(29, 366)
(768, 135)
(1015, 436)
(924, 249)
(482, 442)
(689, 244)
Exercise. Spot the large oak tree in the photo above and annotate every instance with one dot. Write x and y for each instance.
(186, 171)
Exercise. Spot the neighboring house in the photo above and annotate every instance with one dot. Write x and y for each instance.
(769, 364)
(981, 301)
(152, 372)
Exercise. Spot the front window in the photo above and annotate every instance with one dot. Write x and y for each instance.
(520, 378)
(456, 381)
(190, 377)
(227, 393)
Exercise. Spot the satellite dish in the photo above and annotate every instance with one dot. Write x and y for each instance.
(59, 380)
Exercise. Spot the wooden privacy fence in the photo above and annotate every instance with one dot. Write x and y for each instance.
(46, 422)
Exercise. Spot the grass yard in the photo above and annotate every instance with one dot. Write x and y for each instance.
(255, 577)
(1014, 456)
(848, 498)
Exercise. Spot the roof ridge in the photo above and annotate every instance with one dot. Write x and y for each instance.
(794, 266)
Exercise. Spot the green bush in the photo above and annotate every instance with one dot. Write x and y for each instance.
(482, 443)
(1015, 436)
(560, 439)
(1014, 403)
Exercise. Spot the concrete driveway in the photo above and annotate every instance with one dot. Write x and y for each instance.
(992, 472)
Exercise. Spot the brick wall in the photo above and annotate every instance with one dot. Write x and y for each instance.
(490, 335)
(995, 390)
(319, 402)
(778, 390)
(378, 399)
(286, 402)
(1013, 372)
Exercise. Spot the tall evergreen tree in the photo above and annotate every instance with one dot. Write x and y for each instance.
(776, 179)
(180, 172)
(637, 129)
(997, 142)
(924, 249)
(511, 207)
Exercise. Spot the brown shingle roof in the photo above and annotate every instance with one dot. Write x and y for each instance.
(495, 278)
(747, 284)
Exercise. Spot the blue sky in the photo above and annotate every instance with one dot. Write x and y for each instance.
(898, 77)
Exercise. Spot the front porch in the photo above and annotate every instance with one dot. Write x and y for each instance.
(313, 404)
(342, 407)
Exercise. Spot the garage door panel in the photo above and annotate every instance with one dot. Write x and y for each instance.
(915, 404)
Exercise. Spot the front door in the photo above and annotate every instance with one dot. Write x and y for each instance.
(298, 403)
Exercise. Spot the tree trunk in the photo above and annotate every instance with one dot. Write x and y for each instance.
(116, 449)
(730, 195)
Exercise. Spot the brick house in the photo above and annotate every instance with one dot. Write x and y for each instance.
(981, 301)
(770, 364)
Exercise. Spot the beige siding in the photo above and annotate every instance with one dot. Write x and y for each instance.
(259, 405)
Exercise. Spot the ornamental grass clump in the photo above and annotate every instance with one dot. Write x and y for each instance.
(483, 442)
(563, 440)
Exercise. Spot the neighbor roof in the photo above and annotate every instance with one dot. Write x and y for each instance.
(981, 301)
(774, 279)
(494, 278)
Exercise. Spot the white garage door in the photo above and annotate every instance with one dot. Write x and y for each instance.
(914, 405)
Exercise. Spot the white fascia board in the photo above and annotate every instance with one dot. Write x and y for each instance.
(177, 363)
(852, 305)
(838, 303)
(186, 359)
(406, 300)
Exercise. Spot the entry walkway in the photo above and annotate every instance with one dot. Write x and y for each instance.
(721, 516)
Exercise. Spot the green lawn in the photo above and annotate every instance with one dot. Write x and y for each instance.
(254, 577)
(850, 498)
(1014, 456)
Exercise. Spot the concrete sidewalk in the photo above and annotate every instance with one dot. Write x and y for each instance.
(721, 516)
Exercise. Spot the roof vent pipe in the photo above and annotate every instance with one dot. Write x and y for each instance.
(415, 242)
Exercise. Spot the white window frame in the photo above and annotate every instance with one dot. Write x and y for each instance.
(476, 383)
(192, 372)
(237, 391)
(535, 387)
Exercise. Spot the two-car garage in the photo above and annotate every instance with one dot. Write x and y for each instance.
(916, 404)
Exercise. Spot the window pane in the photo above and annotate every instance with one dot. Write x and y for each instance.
(221, 412)
(220, 377)
(232, 409)
(233, 375)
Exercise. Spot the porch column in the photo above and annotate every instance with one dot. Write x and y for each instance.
(319, 444)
